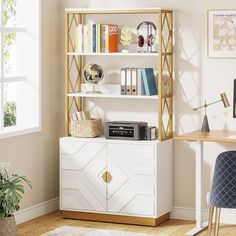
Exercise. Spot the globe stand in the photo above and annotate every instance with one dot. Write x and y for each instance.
(94, 91)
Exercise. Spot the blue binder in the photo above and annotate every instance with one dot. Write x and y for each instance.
(149, 81)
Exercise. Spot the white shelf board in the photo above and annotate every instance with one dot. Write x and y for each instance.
(115, 10)
(119, 54)
(102, 95)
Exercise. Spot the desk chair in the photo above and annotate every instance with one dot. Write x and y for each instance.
(223, 190)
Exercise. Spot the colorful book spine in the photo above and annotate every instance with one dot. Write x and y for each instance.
(79, 38)
(98, 38)
(106, 38)
(103, 38)
(93, 38)
(86, 39)
(112, 38)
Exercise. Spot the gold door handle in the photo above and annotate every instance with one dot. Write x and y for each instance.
(107, 177)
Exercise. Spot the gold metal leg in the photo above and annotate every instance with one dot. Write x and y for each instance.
(211, 212)
(217, 221)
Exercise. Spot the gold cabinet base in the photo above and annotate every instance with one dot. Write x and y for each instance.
(133, 220)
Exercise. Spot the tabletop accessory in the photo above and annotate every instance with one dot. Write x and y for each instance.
(205, 124)
(149, 38)
(93, 74)
(83, 126)
(125, 37)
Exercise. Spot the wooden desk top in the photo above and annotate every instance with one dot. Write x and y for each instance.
(224, 136)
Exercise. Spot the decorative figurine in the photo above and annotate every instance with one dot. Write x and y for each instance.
(125, 37)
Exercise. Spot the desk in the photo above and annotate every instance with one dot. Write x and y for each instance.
(199, 137)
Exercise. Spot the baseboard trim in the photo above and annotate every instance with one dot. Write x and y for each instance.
(37, 210)
(228, 216)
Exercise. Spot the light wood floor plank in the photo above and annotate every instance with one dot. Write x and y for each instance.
(53, 220)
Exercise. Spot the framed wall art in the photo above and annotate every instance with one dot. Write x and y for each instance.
(222, 33)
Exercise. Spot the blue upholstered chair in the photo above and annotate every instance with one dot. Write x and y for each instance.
(223, 190)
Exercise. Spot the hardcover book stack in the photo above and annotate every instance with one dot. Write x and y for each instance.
(138, 81)
(96, 38)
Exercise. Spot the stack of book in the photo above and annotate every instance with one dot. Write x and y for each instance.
(96, 38)
(138, 81)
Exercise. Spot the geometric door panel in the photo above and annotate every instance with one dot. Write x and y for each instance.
(81, 182)
(81, 154)
(132, 188)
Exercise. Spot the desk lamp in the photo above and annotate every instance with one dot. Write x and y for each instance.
(205, 125)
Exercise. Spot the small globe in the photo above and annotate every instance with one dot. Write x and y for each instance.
(93, 73)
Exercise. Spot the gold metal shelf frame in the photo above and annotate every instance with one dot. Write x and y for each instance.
(73, 73)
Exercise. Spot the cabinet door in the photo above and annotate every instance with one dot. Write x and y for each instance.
(131, 190)
(82, 166)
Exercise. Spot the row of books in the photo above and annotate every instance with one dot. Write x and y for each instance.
(96, 38)
(138, 81)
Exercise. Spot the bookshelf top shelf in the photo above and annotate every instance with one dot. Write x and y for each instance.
(116, 11)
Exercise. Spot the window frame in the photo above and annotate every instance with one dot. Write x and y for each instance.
(6, 132)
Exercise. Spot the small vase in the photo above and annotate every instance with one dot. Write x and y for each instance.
(8, 226)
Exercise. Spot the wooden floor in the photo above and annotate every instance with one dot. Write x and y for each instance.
(53, 220)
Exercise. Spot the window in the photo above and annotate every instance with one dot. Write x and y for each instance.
(19, 67)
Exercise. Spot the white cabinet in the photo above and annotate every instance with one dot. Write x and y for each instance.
(116, 177)
(82, 164)
(132, 189)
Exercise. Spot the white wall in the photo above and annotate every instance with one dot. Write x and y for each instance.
(36, 155)
(196, 77)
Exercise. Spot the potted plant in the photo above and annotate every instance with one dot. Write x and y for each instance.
(11, 193)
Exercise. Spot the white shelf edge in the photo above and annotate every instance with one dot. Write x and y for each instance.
(103, 139)
(112, 54)
(115, 9)
(153, 97)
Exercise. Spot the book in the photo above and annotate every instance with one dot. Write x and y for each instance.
(79, 38)
(93, 38)
(128, 81)
(140, 85)
(112, 38)
(134, 81)
(106, 38)
(103, 38)
(149, 81)
(86, 39)
(98, 38)
(123, 81)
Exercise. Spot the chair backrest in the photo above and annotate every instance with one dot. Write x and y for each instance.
(223, 191)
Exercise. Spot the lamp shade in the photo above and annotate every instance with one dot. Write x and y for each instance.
(224, 100)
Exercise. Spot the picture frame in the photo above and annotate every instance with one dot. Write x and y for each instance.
(221, 33)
